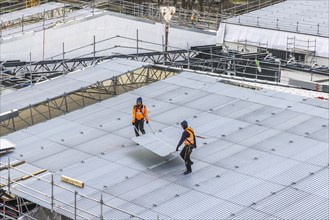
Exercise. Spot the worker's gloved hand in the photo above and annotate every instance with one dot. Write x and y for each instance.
(176, 148)
(147, 122)
(133, 123)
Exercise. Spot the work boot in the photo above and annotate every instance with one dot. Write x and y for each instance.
(187, 172)
(188, 169)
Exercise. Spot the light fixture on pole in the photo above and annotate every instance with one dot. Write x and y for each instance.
(167, 13)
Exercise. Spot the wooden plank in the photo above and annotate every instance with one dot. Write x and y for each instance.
(14, 164)
(72, 181)
(31, 175)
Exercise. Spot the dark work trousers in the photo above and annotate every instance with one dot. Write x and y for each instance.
(139, 127)
(185, 154)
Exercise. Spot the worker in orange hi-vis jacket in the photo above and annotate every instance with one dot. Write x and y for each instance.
(139, 115)
(188, 138)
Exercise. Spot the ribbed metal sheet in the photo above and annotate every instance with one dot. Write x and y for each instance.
(33, 149)
(175, 115)
(201, 177)
(222, 182)
(250, 213)
(230, 127)
(209, 102)
(162, 87)
(319, 112)
(189, 83)
(198, 208)
(310, 126)
(245, 133)
(316, 102)
(102, 144)
(291, 122)
(199, 77)
(237, 109)
(130, 184)
(262, 164)
(279, 118)
(243, 168)
(222, 154)
(241, 159)
(255, 194)
(276, 142)
(281, 200)
(149, 214)
(65, 84)
(294, 174)
(322, 134)
(297, 146)
(160, 196)
(299, 209)
(62, 159)
(260, 114)
(211, 148)
(317, 183)
(182, 95)
(144, 189)
(318, 154)
(221, 210)
(182, 202)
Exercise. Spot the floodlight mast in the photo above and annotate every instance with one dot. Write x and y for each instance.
(167, 13)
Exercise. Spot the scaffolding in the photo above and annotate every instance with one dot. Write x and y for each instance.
(301, 50)
(246, 45)
(31, 3)
(14, 206)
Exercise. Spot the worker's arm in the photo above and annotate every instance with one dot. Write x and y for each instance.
(182, 139)
(145, 114)
(133, 115)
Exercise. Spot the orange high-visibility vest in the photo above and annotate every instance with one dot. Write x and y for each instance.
(189, 140)
(139, 112)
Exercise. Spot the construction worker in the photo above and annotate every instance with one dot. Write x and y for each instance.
(139, 114)
(188, 138)
(193, 19)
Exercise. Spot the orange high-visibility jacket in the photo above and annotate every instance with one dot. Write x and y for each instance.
(139, 113)
(190, 139)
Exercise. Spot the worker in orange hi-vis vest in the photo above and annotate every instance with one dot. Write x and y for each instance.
(188, 138)
(139, 115)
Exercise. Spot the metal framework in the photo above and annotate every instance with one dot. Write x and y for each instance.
(12, 212)
(83, 97)
(18, 74)
(42, 16)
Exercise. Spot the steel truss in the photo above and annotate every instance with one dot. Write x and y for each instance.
(19, 74)
(45, 15)
(83, 97)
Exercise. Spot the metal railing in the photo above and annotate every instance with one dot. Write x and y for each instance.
(182, 17)
(43, 21)
(18, 6)
(87, 55)
(56, 204)
(248, 6)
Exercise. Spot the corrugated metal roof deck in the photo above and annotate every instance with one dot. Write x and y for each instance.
(67, 83)
(261, 159)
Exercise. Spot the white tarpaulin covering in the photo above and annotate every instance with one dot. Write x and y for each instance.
(272, 38)
(45, 44)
